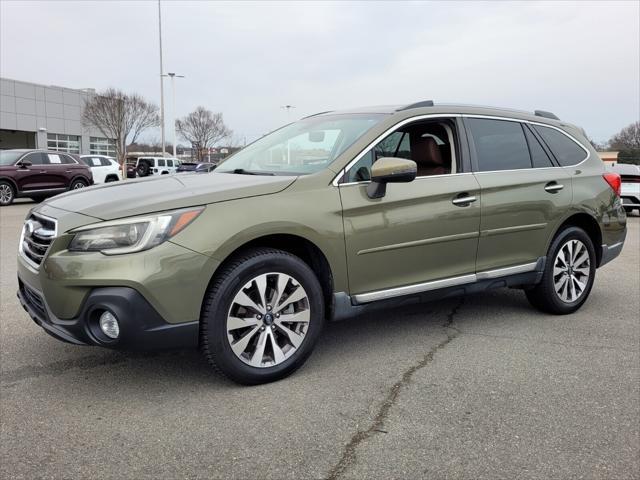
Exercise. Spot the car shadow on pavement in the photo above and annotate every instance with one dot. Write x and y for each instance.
(341, 343)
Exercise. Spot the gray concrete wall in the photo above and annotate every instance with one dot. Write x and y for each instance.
(29, 107)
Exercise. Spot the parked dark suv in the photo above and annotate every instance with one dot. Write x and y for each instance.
(39, 174)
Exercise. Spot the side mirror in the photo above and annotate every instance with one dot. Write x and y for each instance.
(390, 170)
(25, 164)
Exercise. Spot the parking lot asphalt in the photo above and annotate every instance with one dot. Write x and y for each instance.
(476, 387)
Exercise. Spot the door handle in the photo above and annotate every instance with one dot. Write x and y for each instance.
(463, 201)
(553, 187)
(43, 171)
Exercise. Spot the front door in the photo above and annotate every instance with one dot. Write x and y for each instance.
(419, 232)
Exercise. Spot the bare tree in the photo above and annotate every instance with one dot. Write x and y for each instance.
(203, 129)
(120, 116)
(627, 139)
(627, 142)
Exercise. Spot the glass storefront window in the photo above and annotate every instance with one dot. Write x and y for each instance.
(63, 143)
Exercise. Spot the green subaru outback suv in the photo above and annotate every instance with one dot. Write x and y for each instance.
(325, 218)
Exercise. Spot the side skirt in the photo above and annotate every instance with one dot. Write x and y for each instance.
(345, 306)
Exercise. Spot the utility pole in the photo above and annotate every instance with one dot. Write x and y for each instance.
(161, 79)
(173, 76)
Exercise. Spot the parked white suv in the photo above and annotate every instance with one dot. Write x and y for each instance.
(156, 165)
(104, 169)
(630, 188)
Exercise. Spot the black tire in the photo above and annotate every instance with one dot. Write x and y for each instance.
(143, 169)
(544, 296)
(7, 193)
(77, 184)
(111, 178)
(218, 300)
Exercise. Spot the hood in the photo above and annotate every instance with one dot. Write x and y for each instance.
(165, 192)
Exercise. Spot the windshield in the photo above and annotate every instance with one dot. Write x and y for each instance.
(8, 157)
(301, 148)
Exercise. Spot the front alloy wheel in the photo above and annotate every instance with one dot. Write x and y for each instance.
(6, 194)
(268, 320)
(261, 316)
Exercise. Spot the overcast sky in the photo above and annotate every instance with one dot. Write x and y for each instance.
(246, 60)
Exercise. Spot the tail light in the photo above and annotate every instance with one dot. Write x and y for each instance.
(614, 181)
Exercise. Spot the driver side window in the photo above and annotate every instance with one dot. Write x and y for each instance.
(430, 144)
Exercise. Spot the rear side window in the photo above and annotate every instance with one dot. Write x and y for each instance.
(161, 163)
(105, 162)
(539, 157)
(67, 160)
(566, 151)
(499, 144)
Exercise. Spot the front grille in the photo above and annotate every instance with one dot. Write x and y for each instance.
(34, 300)
(37, 235)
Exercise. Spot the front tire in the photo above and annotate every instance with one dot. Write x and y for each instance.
(261, 317)
(7, 194)
(568, 275)
(77, 184)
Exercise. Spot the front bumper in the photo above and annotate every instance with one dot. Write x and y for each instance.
(141, 327)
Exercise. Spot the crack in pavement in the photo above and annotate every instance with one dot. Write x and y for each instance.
(349, 453)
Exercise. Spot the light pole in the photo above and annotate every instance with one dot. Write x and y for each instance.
(173, 77)
(288, 109)
(161, 79)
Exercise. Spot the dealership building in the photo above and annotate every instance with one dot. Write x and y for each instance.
(47, 117)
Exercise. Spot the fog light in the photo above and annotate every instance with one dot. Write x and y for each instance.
(109, 324)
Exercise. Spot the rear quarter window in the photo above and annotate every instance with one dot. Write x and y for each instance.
(566, 151)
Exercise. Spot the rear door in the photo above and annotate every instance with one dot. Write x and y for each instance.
(524, 193)
(56, 170)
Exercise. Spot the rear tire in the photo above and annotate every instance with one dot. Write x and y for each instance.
(7, 194)
(568, 276)
(262, 342)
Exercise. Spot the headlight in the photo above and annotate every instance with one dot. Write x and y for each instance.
(132, 234)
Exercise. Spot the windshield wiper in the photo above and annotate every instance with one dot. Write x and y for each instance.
(242, 171)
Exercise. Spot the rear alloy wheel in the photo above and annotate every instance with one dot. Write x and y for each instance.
(7, 194)
(569, 274)
(262, 316)
(77, 184)
(571, 271)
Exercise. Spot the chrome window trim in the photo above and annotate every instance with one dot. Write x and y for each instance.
(366, 182)
(364, 151)
(531, 122)
(444, 283)
(343, 171)
(30, 262)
